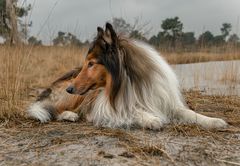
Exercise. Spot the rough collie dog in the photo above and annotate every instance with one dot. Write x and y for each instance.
(122, 82)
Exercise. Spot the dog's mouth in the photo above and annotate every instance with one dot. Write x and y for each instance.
(84, 92)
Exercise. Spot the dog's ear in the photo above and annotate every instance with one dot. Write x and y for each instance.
(111, 36)
(68, 76)
(100, 32)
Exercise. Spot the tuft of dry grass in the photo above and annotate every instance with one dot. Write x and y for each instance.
(215, 106)
(231, 75)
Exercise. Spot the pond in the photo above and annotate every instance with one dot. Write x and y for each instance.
(213, 78)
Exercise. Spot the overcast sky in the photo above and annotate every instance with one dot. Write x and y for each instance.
(81, 17)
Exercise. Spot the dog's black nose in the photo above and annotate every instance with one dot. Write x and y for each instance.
(70, 89)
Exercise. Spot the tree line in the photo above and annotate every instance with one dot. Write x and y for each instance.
(171, 36)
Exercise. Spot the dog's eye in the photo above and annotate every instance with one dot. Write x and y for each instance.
(90, 64)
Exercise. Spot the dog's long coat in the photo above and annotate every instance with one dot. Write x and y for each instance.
(128, 83)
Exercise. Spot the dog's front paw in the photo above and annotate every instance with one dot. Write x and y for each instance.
(69, 116)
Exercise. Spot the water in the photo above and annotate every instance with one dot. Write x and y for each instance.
(213, 78)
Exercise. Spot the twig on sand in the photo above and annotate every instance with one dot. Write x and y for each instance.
(228, 162)
(167, 155)
(30, 141)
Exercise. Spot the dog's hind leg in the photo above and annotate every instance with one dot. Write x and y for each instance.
(186, 115)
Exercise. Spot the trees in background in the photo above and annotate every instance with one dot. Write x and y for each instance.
(172, 36)
(225, 29)
(34, 41)
(217, 40)
(66, 39)
(11, 26)
(172, 31)
(234, 39)
(188, 40)
(135, 30)
(206, 39)
(138, 35)
(121, 26)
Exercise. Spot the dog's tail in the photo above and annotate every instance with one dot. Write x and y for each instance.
(40, 111)
(186, 115)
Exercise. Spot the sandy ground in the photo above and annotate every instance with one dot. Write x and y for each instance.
(27, 142)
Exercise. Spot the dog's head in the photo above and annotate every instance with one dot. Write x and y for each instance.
(101, 66)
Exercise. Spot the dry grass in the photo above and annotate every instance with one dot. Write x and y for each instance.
(215, 106)
(195, 57)
(25, 68)
(231, 74)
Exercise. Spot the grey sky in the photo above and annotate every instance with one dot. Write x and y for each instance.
(81, 17)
